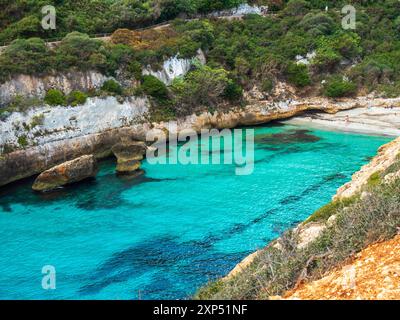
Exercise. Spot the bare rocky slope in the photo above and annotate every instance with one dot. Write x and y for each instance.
(374, 274)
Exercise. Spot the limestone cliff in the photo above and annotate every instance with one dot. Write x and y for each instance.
(64, 133)
(175, 67)
(42, 137)
(31, 86)
(47, 124)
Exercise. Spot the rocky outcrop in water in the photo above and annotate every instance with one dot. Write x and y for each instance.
(129, 156)
(66, 173)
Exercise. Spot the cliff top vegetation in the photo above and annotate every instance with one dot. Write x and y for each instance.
(301, 43)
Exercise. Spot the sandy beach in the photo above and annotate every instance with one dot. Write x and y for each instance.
(374, 120)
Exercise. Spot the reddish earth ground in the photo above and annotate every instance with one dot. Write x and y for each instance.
(374, 274)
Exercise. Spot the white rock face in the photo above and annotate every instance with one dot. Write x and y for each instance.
(30, 86)
(241, 10)
(45, 124)
(174, 68)
(60, 123)
(307, 59)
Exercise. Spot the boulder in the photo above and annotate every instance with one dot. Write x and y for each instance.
(309, 233)
(128, 166)
(129, 156)
(66, 173)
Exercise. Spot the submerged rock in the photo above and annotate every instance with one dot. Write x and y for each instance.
(66, 173)
(129, 156)
(290, 137)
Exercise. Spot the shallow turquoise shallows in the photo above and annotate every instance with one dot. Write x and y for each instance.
(166, 233)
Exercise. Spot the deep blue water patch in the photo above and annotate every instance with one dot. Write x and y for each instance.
(163, 234)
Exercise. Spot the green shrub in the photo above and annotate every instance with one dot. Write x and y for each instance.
(154, 88)
(76, 50)
(112, 87)
(28, 26)
(37, 121)
(55, 97)
(296, 8)
(111, 58)
(22, 56)
(135, 69)
(297, 74)
(267, 86)
(188, 48)
(380, 68)
(162, 113)
(332, 208)
(76, 98)
(348, 45)
(374, 180)
(389, 90)
(337, 87)
(326, 59)
(233, 92)
(23, 141)
(202, 87)
(317, 24)
(21, 104)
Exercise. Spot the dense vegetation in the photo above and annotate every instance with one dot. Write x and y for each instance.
(21, 18)
(255, 51)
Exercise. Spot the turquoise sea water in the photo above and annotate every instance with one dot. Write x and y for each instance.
(164, 234)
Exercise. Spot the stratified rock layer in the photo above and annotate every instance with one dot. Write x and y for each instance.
(66, 173)
(129, 156)
(31, 86)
